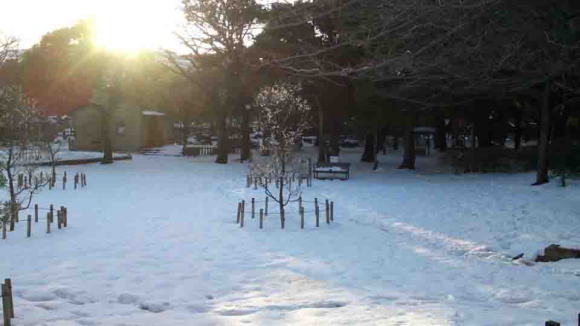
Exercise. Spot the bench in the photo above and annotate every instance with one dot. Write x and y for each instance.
(331, 171)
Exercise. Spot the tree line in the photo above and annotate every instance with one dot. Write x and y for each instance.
(481, 72)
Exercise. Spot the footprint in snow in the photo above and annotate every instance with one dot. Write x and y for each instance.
(155, 307)
(38, 296)
(197, 309)
(126, 298)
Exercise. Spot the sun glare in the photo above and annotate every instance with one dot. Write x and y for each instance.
(130, 26)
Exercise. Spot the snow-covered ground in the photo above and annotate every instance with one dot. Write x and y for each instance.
(153, 241)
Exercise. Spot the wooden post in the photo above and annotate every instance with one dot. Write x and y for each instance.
(238, 213)
(253, 207)
(301, 209)
(332, 213)
(48, 222)
(12, 218)
(59, 219)
(300, 202)
(65, 213)
(8, 283)
(76, 180)
(243, 212)
(35, 213)
(327, 211)
(64, 181)
(6, 311)
(62, 216)
(255, 183)
(261, 218)
(316, 211)
(266, 210)
(51, 213)
(29, 226)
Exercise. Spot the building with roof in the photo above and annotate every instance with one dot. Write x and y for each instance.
(130, 129)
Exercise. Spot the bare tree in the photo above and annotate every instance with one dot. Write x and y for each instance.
(222, 28)
(50, 142)
(8, 48)
(20, 152)
(283, 116)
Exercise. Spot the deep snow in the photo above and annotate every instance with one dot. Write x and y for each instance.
(153, 242)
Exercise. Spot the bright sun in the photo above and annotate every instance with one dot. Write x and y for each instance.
(130, 25)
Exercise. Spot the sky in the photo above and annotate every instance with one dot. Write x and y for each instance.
(120, 24)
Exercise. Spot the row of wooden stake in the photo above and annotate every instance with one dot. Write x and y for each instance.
(80, 180)
(25, 182)
(240, 216)
(7, 303)
(263, 181)
(61, 220)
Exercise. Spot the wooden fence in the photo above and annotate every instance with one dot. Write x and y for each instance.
(24, 181)
(9, 224)
(264, 211)
(262, 181)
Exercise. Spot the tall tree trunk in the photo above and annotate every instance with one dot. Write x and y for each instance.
(10, 178)
(542, 168)
(222, 146)
(322, 157)
(409, 153)
(471, 158)
(333, 131)
(245, 154)
(184, 132)
(481, 125)
(106, 137)
(369, 153)
(281, 203)
(334, 149)
(382, 141)
(517, 129)
(376, 148)
(441, 135)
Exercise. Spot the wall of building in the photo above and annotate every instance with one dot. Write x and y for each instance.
(87, 125)
(127, 130)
